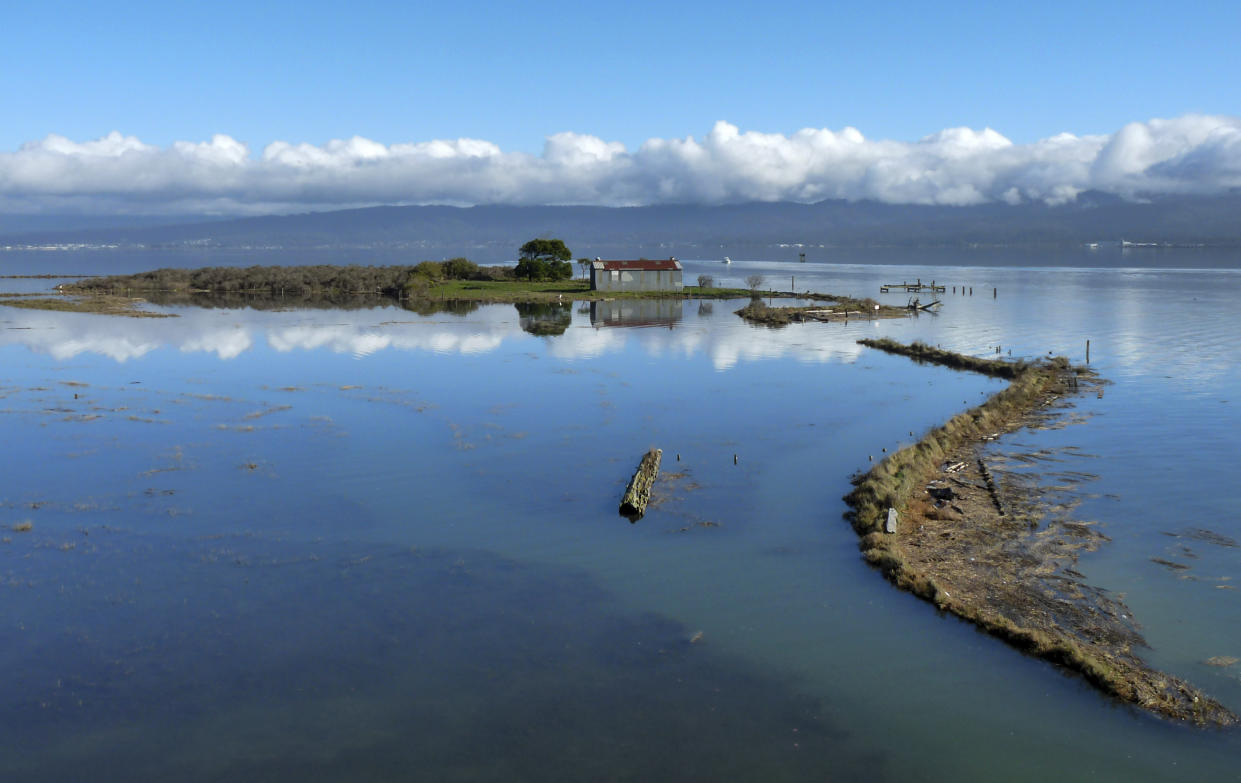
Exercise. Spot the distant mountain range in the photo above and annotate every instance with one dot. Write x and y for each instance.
(492, 233)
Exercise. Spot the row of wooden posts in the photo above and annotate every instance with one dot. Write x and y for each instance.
(919, 287)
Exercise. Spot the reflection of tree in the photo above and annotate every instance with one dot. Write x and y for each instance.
(705, 308)
(433, 306)
(544, 318)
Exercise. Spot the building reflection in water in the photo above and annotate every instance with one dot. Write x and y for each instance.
(636, 312)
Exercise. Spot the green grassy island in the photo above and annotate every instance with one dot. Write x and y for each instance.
(456, 280)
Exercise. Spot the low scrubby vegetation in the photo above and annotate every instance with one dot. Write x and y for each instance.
(326, 279)
(267, 279)
(312, 282)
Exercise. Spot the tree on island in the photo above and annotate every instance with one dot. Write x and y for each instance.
(544, 259)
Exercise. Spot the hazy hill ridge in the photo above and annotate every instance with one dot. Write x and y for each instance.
(1093, 217)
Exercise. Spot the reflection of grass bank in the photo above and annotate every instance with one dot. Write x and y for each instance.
(100, 305)
(969, 558)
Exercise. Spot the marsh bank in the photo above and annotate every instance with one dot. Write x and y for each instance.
(957, 547)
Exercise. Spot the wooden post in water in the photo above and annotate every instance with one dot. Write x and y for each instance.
(1087, 352)
(995, 292)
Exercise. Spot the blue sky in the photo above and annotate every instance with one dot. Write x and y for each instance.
(515, 74)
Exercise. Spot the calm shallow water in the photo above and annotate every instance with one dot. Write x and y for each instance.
(370, 544)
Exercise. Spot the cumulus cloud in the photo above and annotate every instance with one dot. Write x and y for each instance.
(1191, 154)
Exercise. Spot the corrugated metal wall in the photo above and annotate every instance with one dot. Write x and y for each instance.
(635, 280)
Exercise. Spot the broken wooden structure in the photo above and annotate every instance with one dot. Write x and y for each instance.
(913, 288)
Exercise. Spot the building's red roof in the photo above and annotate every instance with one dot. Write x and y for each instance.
(662, 265)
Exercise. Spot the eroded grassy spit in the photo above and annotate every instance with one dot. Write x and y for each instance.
(998, 571)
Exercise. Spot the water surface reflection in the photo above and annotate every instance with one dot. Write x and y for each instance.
(227, 334)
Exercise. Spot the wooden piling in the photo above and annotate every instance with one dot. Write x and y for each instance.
(991, 487)
(638, 493)
(1087, 352)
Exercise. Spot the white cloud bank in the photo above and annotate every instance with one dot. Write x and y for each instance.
(1191, 154)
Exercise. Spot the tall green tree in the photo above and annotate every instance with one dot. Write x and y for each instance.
(544, 259)
(545, 249)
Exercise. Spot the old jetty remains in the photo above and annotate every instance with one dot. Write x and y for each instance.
(916, 287)
(638, 493)
(916, 304)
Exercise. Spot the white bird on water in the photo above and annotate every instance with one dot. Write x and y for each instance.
(727, 260)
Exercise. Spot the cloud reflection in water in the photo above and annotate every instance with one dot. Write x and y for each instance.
(362, 333)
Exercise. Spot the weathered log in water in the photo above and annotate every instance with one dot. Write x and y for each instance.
(638, 493)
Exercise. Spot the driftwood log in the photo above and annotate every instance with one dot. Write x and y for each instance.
(638, 493)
